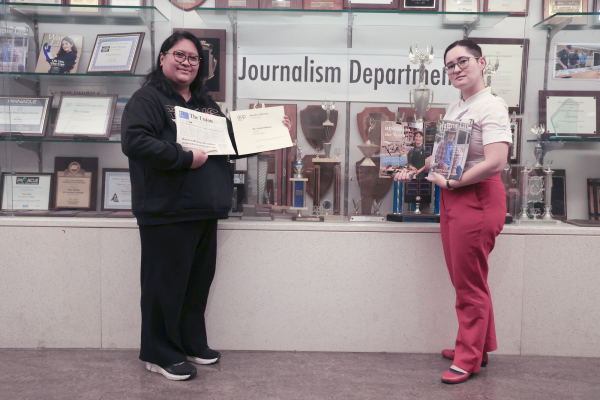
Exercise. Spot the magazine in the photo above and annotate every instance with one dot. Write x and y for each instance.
(59, 53)
(396, 138)
(14, 46)
(450, 148)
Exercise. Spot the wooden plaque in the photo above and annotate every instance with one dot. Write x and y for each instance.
(327, 174)
(186, 6)
(490, 6)
(369, 122)
(357, 5)
(420, 5)
(281, 4)
(322, 4)
(312, 119)
(236, 3)
(78, 168)
(551, 7)
(372, 187)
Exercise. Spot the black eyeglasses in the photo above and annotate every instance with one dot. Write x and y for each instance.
(463, 63)
(180, 57)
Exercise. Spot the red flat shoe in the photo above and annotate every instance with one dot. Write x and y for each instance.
(452, 376)
(449, 354)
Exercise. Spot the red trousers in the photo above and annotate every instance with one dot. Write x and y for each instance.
(471, 218)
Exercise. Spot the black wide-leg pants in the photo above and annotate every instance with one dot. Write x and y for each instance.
(178, 267)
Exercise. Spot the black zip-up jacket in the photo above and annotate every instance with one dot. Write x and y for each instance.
(164, 188)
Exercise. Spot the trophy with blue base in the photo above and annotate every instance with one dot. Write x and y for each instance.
(299, 191)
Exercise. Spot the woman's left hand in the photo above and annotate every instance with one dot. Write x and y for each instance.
(437, 179)
(287, 122)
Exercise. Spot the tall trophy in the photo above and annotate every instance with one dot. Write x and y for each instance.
(299, 191)
(538, 150)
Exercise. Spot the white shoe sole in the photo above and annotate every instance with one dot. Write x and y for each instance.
(202, 361)
(155, 368)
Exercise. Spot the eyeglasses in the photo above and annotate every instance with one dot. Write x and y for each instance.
(180, 57)
(463, 63)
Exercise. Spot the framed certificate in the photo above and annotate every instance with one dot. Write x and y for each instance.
(570, 113)
(510, 79)
(85, 117)
(514, 153)
(26, 191)
(76, 182)
(26, 116)
(236, 3)
(460, 6)
(551, 7)
(36, 1)
(419, 5)
(284, 4)
(116, 190)
(514, 7)
(93, 6)
(372, 4)
(116, 53)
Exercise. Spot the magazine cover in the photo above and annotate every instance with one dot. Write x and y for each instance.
(59, 53)
(393, 148)
(450, 148)
(14, 46)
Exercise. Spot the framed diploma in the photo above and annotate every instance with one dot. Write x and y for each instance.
(419, 5)
(509, 80)
(236, 3)
(514, 7)
(116, 53)
(514, 153)
(215, 63)
(85, 117)
(116, 190)
(551, 7)
(322, 4)
(26, 116)
(570, 113)
(284, 4)
(76, 182)
(26, 191)
(372, 4)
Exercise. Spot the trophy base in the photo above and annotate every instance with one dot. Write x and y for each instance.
(367, 218)
(329, 217)
(310, 218)
(539, 221)
(408, 217)
(282, 216)
(508, 219)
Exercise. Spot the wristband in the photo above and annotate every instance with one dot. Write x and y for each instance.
(448, 185)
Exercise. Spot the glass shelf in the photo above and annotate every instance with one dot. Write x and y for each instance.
(71, 78)
(567, 139)
(249, 16)
(593, 19)
(14, 138)
(75, 14)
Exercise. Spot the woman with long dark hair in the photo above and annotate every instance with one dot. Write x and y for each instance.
(65, 58)
(473, 208)
(178, 197)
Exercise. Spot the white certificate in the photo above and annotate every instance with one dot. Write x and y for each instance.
(26, 192)
(196, 130)
(461, 6)
(573, 115)
(56, 91)
(117, 191)
(506, 81)
(259, 130)
(116, 52)
(87, 116)
(507, 6)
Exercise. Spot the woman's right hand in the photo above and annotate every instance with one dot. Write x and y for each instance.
(403, 176)
(200, 158)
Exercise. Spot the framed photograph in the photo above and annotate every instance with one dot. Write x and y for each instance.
(577, 61)
(116, 190)
(284, 4)
(236, 3)
(551, 7)
(593, 187)
(569, 113)
(514, 153)
(76, 180)
(510, 79)
(85, 117)
(514, 7)
(215, 63)
(116, 54)
(26, 116)
(420, 5)
(26, 191)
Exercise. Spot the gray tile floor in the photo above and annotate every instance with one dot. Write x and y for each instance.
(249, 375)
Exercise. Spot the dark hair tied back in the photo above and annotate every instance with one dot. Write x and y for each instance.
(470, 45)
(157, 78)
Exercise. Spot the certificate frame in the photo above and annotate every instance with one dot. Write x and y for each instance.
(404, 7)
(543, 101)
(103, 206)
(486, 8)
(523, 84)
(281, 5)
(350, 5)
(514, 157)
(41, 131)
(89, 165)
(445, 1)
(132, 59)
(50, 193)
(104, 135)
(582, 20)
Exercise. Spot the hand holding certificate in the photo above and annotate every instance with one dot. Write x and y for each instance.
(196, 130)
(260, 129)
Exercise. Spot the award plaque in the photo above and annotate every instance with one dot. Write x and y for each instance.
(215, 65)
(514, 7)
(510, 77)
(372, 4)
(315, 122)
(322, 4)
(284, 4)
(26, 191)
(569, 113)
(116, 190)
(551, 7)
(236, 3)
(593, 186)
(419, 5)
(369, 122)
(116, 54)
(76, 182)
(372, 187)
(460, 6)
(187, 5)
(85, 117)
(26, 116)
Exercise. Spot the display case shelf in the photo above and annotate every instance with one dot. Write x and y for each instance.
(248, 16)
(567, 139)
(75, 14)
(73, 78)
(21, 139)
(592, 17)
